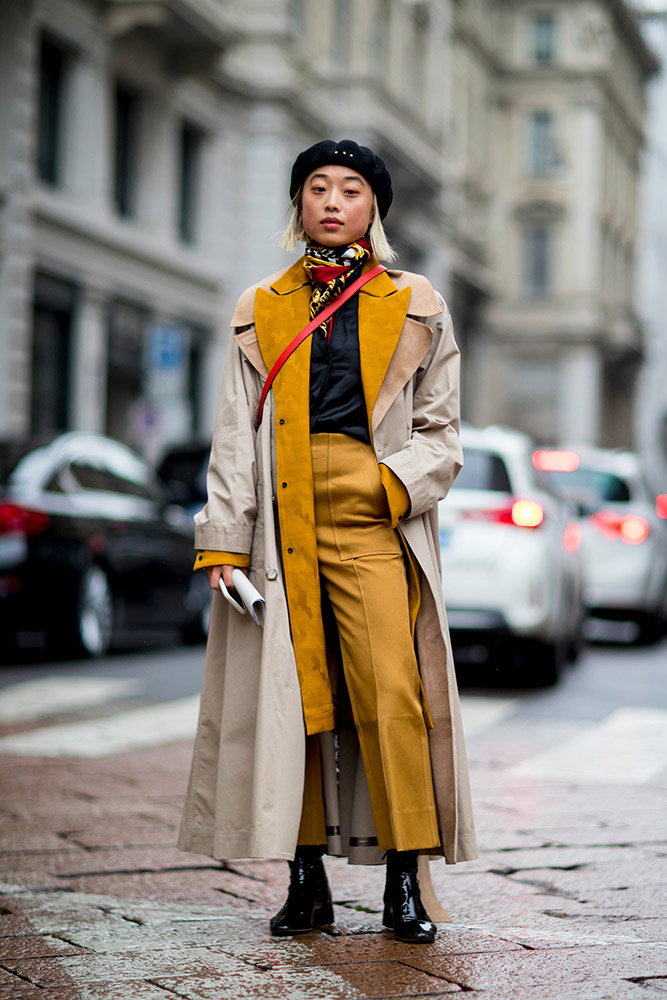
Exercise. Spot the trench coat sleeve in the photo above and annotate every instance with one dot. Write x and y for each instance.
(429, 461)
(227, 521)
(209, 558)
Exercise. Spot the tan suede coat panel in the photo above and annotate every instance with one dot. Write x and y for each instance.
(244, 796)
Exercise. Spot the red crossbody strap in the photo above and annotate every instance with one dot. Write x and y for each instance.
(313, 325)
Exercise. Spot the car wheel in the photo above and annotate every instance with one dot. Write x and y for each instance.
(576, 643)
(94, 613)
(651, 628)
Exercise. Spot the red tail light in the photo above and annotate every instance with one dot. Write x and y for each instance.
(661, 505)
(16, 518)
(630, 528)
(520, 513)
(555, 460)
(572, 537)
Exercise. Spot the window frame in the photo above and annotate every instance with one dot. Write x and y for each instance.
(532, 228)
(126, 153)
(341, 32)
(541, 145)
(191, 154)
(543, 55)
(52, 82)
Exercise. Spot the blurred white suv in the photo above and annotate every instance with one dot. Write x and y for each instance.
(624, 533)
(511, 566)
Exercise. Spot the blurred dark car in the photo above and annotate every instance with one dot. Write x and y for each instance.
(183, 470)
(93, 552)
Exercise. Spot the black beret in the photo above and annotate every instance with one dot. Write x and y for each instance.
(360, 158)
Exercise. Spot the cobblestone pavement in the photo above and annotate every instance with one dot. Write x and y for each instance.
(568, 899)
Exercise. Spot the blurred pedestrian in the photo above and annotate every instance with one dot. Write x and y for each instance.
(336, 728)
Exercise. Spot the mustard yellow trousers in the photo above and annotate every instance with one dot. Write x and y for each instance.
(362, 569)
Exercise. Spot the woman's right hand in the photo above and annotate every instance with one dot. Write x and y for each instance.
(215, 572)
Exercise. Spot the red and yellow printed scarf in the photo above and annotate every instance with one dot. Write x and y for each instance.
(330, 270)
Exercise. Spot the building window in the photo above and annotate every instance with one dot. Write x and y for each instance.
(126, 162)
(341, 32)
(538, 258)
(295, 15)
(128, 323)
(190, 154)
(53, 317)
(52, 73)
(380, 33)
(544, 37)
(416, 55)
(542, 156)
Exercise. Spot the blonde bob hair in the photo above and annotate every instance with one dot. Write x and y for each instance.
(295, 233)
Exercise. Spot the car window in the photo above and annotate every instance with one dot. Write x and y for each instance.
(482, 470)
(131, 478)
(54, 485)
(597, 485)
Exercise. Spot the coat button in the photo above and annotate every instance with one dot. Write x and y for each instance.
(290, 550)
(281, 421)
(271, 574)
(284, 485)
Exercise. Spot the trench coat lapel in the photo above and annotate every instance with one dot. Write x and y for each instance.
(249, 345)
(279, 318)
(388, 358)
(382, 312)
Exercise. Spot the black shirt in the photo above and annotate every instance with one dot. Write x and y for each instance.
(337, 402)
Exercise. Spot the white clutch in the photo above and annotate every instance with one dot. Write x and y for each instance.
(246, 597)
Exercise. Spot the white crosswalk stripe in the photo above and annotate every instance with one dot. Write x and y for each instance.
(61, 694)
(480, 713)
(629, 746)
(135, 729)
(131, 730)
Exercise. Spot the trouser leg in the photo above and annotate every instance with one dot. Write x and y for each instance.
(362, 567)
(312, 829)
(369, 596)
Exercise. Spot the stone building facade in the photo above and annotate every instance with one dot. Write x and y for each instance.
(144, 162)
(652, 257)
(144, 166)
(548, 119)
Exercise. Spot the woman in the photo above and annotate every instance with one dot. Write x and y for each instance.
(337, 726)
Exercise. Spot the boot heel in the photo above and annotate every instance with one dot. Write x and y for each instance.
(404, 911)
(308, 904)
(323, 914)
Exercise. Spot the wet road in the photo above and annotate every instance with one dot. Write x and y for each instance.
(567, 899)
(605, 678)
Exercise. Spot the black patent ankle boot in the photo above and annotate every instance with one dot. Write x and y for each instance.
(404, 911)
(308, 904)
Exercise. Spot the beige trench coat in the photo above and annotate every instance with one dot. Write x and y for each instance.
(246, 783)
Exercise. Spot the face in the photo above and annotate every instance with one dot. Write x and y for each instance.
(336, 205)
